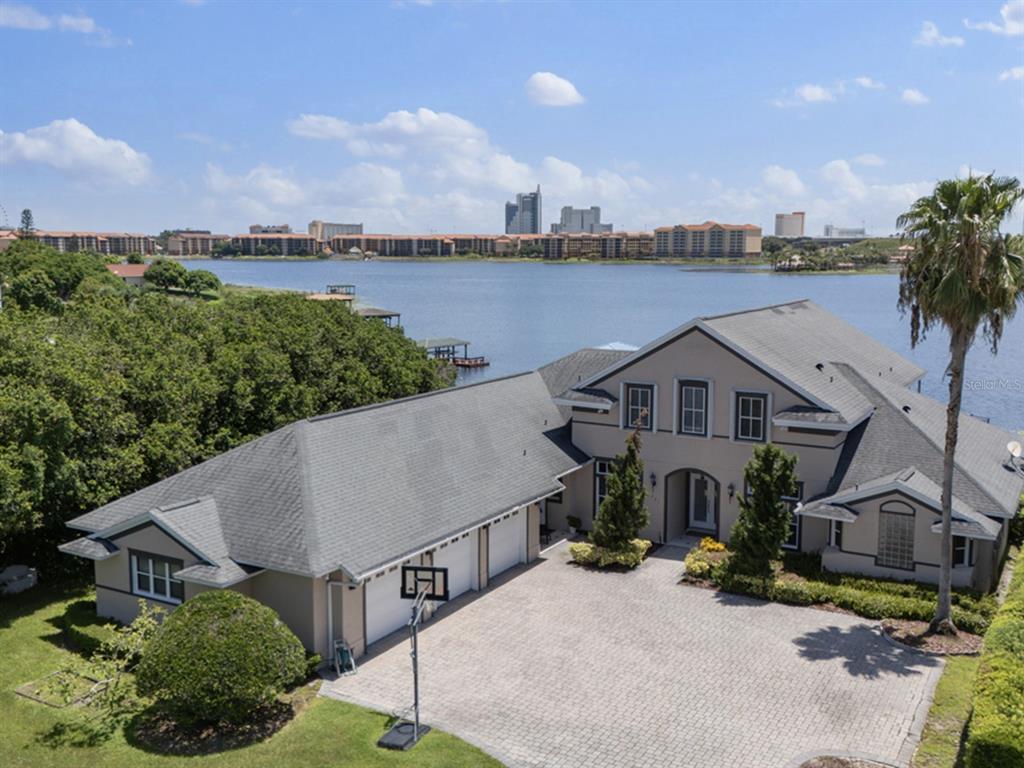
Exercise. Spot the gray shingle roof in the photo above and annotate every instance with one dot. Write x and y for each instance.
(364, 487)
(800, 343)
(566, 372)
(908, 429)
(94, 549)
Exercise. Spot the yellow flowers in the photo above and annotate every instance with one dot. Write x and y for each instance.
(708, 544)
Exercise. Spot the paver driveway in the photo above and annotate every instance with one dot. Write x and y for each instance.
(561, 666)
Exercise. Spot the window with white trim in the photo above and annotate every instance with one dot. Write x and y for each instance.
(693, 408)
(793, 539)
(151, 577)
(835, 533)
(602, 468)
(639, 406)
(963, 551)
(751, 416)
(896, 536)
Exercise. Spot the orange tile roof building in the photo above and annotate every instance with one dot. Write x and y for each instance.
(187, 243)
(707, 240)
(110, 243)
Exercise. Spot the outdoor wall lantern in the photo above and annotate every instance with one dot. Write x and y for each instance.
(654, 480)
(732, 490)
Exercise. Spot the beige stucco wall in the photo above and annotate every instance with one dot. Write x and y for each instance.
(697, 356)
(532, 532)
(113, 576)
(482, 553)
(860, 544)
(298, 600)
(577, 500)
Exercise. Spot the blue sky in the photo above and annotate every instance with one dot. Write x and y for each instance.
(414, 116)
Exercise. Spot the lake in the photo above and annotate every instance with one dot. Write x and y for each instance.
(522, 315)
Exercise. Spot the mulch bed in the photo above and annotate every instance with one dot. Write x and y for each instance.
(916, 635)
(840, 762)
(155, 731)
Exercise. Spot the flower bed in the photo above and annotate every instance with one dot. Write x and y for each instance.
(585, 553)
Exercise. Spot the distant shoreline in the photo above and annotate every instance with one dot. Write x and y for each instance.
(711, 264)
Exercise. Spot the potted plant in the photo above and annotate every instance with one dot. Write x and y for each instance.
(574, 523)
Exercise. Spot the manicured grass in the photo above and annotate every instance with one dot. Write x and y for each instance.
(951, 709)
(33, 643)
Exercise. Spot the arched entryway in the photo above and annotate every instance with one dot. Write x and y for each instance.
(691, 504)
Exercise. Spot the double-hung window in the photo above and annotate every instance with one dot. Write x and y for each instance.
(963, 551)
(835, 533)
(751, 416)
(896, 536)
(793, 539)
(602, 468)
(693, 408)
(151, 577)
(639, 406)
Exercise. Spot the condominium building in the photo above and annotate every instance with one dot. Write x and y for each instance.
(789, 224)
(834, 232)
(707, 240)
(269, 229)
(580, 220)
(276, 244)
(523, 217)
(606, 245)
(187, 242)
(112, 243)
(325, 230)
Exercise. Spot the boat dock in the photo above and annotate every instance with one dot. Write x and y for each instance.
(390, 318)
(446, 348)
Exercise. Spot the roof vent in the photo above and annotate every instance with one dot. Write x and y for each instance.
(820, 366)
(906, 409)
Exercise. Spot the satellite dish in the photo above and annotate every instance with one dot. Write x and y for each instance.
(1014, 448)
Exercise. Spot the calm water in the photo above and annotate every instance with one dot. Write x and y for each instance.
(522, 315)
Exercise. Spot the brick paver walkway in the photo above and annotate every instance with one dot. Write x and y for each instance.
(561, 666)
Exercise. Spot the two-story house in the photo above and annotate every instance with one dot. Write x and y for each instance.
(869, 446)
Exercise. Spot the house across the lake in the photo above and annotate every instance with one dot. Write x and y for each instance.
(316, 518)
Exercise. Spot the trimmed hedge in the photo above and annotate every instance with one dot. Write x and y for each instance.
(996, 735)
(586, 553)
(870, 598)
(220, 656)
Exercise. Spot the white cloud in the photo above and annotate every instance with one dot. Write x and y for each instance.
(83, 24)
(782, 179)
(866, 82)
(198, 137)
(930, 36)
(550, 90)
(869, 159)
(812, 93)
(914, 97)
(17, 16)
(842, 179)
(1013, 73)
(1012, 14)
(73, 147)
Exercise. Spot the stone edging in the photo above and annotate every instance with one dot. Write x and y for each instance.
(799, 760)
(903, 646)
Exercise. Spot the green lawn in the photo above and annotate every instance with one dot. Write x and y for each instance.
(951, 708)
(32, 643)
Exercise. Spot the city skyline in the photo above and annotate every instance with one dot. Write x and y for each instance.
(419, 142)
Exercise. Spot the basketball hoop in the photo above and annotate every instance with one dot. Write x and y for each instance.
(419, 584)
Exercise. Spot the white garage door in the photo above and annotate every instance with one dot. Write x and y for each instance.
(506, 543)
(386, 611)
(461, 561)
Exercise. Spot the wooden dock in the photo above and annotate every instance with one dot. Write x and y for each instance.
(447, 348)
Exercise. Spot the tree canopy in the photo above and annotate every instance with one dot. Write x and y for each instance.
(124, 387)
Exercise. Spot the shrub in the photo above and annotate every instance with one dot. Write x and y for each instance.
(220, 656)
(763, 522)
(574, 522)
(996, 735)
(1016, 534)
(623, 513)
(629, 556)
(708, 544)
(697, 564)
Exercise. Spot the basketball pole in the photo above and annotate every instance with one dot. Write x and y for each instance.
(417, 612)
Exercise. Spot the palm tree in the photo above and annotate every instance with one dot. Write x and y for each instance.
(963, 277)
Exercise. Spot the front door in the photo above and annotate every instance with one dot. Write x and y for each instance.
(702, 502)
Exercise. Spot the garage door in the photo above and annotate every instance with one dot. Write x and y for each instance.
(461, 561)
(386, 611)
(506, 543)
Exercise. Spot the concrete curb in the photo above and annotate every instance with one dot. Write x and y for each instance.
(799, 760)
(911, 649)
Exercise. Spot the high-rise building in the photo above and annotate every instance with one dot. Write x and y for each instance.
(523, 217)
(707, 240)
(789, 224)
(269, 229)
(575, 220)
(325, 230)
(839, 233)
(191, 242)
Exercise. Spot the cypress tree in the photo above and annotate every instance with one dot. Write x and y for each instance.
(623, 514)
(763, 523)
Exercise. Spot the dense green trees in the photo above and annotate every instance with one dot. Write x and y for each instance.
(166, 273)
(123, 387)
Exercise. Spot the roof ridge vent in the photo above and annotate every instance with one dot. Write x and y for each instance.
(906, 409)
